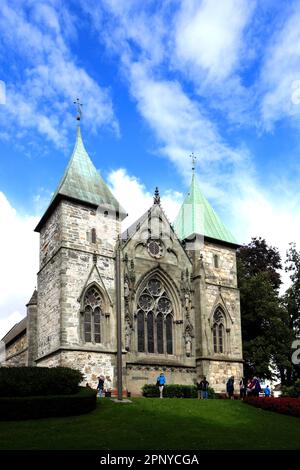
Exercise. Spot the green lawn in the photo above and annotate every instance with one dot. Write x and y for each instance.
(151, 423)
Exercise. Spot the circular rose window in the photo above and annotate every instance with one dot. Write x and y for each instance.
(155, 248)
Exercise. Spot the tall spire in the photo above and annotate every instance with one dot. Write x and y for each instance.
(82, 183)
(196, 216)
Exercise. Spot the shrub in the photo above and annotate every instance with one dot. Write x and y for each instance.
(283, 405)
(16, 408)
(38, 381)
(293, 391)
(174, 391)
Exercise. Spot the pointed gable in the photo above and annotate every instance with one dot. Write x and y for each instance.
(196, 216)
(153, 225)
(82, 182)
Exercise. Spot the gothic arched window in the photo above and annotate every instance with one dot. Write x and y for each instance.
(156, 307)
(141, 331)
(218, 331)
(92, 313)
(150, 332)
(160, 333)
(169, 334)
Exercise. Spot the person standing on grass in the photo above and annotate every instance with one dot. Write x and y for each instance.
(256, 388)
(161, 380)
(267, 391)
(204, 388)
(243, 388)
(100, 386)
(198, 385)
(230, 387)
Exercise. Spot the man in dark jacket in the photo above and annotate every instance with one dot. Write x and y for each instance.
(230, 387)
(202, 388)
(100, 385)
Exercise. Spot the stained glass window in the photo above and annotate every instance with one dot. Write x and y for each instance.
(157, 309)
(221, 328)
(141, 331)
(218, 331)
(87, 324)
(150, 332)
(160, 333)
(169, 334)
(92, 316)
(97, 319)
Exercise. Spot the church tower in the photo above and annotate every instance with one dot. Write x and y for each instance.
(76, 279)
(212, 249)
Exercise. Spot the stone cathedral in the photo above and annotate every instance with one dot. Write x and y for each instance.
(179, 299)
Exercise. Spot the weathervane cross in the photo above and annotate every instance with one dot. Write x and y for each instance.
(194, 158)
(79, 112)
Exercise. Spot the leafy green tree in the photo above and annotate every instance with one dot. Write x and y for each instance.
(258, 257)
(292, 295)
(266, 332)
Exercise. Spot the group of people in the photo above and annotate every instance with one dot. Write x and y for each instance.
(102, 389)
(251, 387)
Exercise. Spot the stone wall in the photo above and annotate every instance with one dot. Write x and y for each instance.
(136, 376)
(83, 263)
(49, 311)
(17, 352)
(91, 364)
(32, 333)
(218, 372)
(216, 286)
(71, 261)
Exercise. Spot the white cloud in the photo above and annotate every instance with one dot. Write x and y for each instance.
(280, 73)
(42, 99)
(19, 252)
(178, 121)
(262, 213)
(134, 197)
(209, 36)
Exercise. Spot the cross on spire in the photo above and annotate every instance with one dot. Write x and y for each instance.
(194, 159)
(78, 106)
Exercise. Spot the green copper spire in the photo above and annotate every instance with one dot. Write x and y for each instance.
(196, 216)
(82, 182)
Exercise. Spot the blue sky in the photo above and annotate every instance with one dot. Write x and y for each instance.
(158, 80)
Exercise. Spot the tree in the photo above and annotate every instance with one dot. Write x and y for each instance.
(292, 295)
(265, 324)
(258, 257)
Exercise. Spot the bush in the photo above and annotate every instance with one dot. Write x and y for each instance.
(38, 381)
(283, 405)
(17, 408)
(293, 391)
(175, 391)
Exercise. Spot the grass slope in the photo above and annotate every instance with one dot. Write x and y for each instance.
(158, 424)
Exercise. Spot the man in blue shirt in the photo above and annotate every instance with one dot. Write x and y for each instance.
(267, 391)
(161, 380)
